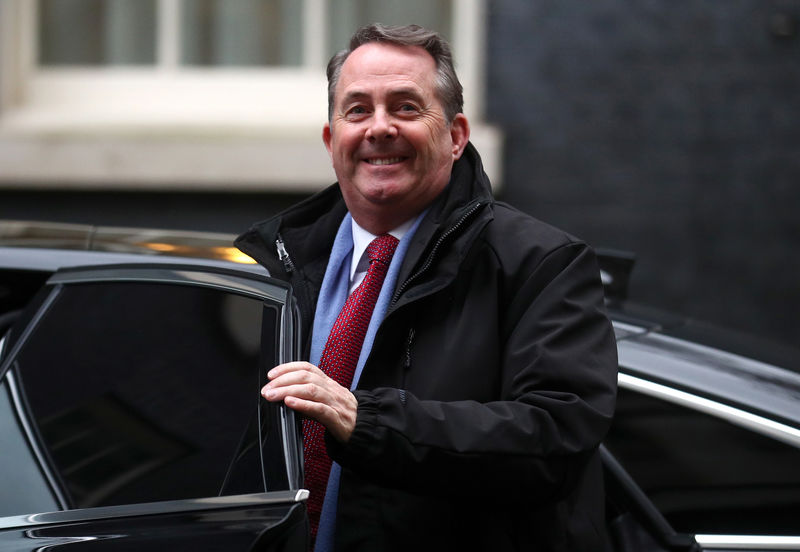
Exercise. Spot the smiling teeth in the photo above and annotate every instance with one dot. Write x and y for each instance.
(388, 161)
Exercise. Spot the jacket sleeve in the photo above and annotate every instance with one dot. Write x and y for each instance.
(557, 369)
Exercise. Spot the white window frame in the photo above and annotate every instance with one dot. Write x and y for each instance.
(187, 128)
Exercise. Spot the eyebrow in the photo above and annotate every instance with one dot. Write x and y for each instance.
(403, 91)
(354, 95)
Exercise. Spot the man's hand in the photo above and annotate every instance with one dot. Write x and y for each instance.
(306, 389)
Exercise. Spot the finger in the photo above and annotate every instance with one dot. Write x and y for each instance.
(289, 367)
(292, 378)
(309, 408)
(298, 377)
(303, 390)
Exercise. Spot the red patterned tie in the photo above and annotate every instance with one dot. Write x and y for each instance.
(339, 359)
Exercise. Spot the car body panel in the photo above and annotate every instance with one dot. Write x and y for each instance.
(269, 521)
(761, 398)
(713, 373)
(753, 543)
(273, 520)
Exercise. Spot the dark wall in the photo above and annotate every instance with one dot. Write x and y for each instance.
(671, 129)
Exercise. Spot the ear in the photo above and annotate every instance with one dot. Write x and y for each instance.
(459, 133)
(326, 137)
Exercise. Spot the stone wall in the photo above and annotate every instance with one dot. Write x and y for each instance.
(671, 129)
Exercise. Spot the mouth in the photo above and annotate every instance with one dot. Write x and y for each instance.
(383, 160)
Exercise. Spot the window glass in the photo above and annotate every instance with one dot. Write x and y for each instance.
(97, 32)
(144, 392)
(345, 16)
(705, 474)
(209, 33)
(241, 33)
(23, 486)
(212, 32)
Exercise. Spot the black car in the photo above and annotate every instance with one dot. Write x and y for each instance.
(705, 445)
(130, 365)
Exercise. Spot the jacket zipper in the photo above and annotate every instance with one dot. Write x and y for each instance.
(283, 255)
(300, 288)
(406, 364)
(429, 261)
(409, 344)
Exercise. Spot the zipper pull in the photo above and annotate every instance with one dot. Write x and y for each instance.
(283, 255)
(409, 344)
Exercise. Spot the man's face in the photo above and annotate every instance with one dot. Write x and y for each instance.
(390, 143)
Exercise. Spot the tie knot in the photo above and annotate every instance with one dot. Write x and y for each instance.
(382, 248)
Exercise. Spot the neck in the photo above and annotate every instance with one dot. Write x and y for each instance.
(380, 223)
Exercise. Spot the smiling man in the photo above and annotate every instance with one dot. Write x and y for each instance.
(391, 143)
(460, 369)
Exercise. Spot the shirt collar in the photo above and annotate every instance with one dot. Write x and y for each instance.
(362, 239)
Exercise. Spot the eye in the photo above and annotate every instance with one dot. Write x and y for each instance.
(356, 112)
(408, 108)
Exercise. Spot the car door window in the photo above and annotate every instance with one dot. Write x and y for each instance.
(22, 486)
(139, 392)
(705, 474)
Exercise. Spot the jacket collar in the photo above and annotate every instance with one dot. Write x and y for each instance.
(308, 228)
(452, 223)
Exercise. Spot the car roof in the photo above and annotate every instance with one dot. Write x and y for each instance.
(710, 372)
(52, 260)
(47, 247)
(144, 241)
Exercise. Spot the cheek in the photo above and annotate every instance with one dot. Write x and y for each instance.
(439, 141)
(439, 154)
(343, 153)
(343, 141)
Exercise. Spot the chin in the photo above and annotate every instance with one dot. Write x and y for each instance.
(384, 192)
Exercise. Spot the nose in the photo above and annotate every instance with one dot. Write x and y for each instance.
(381, 126)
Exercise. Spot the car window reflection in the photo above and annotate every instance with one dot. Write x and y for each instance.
(143, 392)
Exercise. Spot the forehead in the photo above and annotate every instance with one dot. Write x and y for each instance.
(376, 64)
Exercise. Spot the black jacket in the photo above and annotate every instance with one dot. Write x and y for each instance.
(489, 386)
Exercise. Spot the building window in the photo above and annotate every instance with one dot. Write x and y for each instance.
(204, 33)
(194, 93)
(246, 33)
(347, 15)
(96, 32)
(214, 33)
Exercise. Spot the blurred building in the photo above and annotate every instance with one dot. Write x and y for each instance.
(192, 94)
(671, 131)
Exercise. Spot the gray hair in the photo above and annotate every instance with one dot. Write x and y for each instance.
(448, 89)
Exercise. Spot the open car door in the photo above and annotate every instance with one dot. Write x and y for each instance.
(131, 418)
